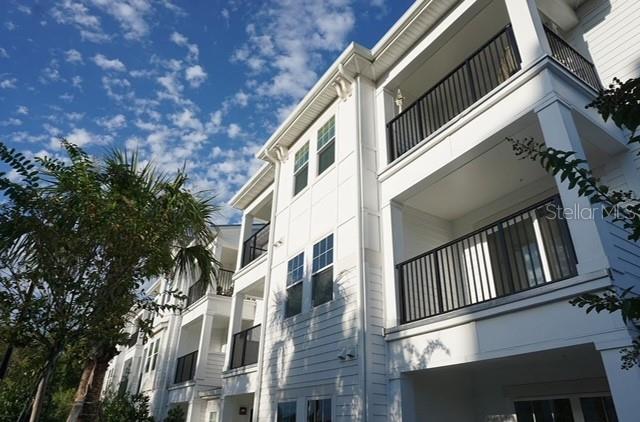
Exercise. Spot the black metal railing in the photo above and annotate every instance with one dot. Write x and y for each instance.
(256, 245)
(525, 250)
(196, 291)
(224, 283)
(245, 347)
(484, 70)
(186, 367)
(572, 60)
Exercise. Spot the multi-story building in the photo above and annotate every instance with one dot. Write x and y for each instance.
(411, 267)
(181, 363)
(396, 261)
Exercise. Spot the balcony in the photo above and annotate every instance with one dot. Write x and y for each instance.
(186, 367)
(573, 61)
(245, 347)
(488, 67)
(255, 246)
(224, 287)
(525, 250)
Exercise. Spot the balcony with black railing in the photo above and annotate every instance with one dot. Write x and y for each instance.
(482, 71)
(186, 367)
(223, 282)
(474, 78)
(244, 347)
(525, 250)
(256, 245)
(572, 60)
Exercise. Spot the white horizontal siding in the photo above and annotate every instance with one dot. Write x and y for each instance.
(609, 31)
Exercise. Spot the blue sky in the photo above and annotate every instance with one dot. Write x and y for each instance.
(195, 82)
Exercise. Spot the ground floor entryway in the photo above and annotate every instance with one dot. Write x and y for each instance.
(561, 385)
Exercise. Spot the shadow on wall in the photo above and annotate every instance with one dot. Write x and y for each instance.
(302, 348)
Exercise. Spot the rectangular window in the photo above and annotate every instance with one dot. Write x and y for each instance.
(286, 412)
(596, 409)
(322, 271)
(151, 356)
(319, 410)
(213, 416)
(326, 145)
(154, 355)
(301, 169)
(295, 273)
(555, 410)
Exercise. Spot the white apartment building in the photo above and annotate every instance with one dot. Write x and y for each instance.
(397, 262)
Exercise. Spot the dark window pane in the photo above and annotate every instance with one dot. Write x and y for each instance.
(293, 305)
(287, 412)
(326, 157)
(322, 287)
(319, 410)
(598, 409)
(300, 180)
(557, 410)
(238, 349)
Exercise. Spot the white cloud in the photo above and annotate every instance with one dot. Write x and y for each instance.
(114, 123)
(73, 56)
(76, 81)
(187, 120)
(195, 75)
(287, 42)
(108, 64)
(10, 26)
(3, 53)
(130, 15)
(24, 9)
(78, 15)
(8, 83)
(241, 98)
(193, 51)
(117, 88)
(11, 121)
(234, 130)
(24, 110)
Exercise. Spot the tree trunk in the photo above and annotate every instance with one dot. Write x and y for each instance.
(87, 398)
(43, 386)
(5, 360)
(81, 392)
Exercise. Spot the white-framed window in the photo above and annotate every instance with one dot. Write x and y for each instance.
(319, 410)
(295, 275)
(286, 411)
(213, 416)
(322, 271)
(326, 145)
(151, 356)
(301, 169)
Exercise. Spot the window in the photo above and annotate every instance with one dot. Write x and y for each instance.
(556, 410)
(295, 273)
(213, 416)
(322, 274)
(326, 145)
(596, 409)
(151, 356)
(301, 169)
(286, 412)
(319, 410)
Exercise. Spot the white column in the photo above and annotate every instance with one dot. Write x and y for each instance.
(384, 111)
(393, 252)
(624, 385)
(587, 228)
(401, 400)
(235, 323)
(527, 30)
(203, 346)
(245, 231)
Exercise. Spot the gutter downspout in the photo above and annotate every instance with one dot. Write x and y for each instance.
(276, 159)
(359, 218)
